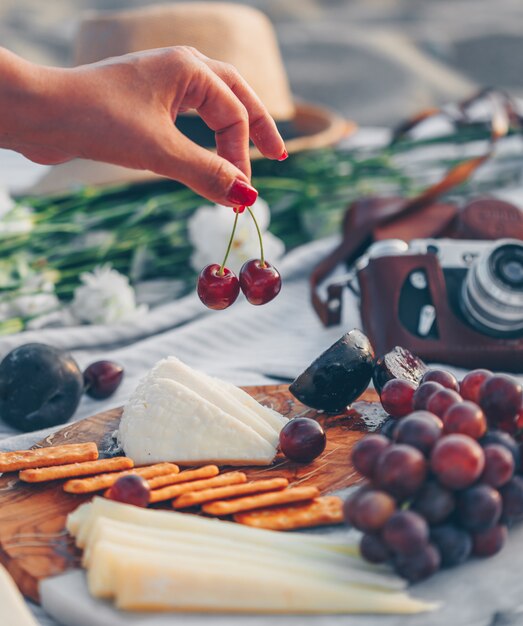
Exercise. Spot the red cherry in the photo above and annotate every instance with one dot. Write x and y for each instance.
(259, 282)
(217, 291)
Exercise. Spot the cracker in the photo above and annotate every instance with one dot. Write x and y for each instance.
(208, 495)
(75, 469)
(104, 481)
(228, 507)
(207, 471)
(320, 512)
(47, 457)
(173, 491)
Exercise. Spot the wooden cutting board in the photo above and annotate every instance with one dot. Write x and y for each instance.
(33, 541)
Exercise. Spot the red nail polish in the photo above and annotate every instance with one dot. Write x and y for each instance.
(284, 155)
(242, 193)
(239, 209)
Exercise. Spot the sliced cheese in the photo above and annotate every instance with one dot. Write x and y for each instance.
(147, 581)
(272, 417)
(215, 392)
(13, 609)
(166, 421)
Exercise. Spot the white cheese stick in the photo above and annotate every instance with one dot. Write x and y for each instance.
(13, 609)
(146, 581)
(166, 421)
(215, 392)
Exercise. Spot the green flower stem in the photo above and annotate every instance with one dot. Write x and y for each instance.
(231, 239)
(260, 238)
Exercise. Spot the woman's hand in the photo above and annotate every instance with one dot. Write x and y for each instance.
(121, 111)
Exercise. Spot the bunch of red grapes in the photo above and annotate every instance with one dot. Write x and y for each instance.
(443, 477)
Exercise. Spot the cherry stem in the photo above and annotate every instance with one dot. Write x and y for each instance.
(231, 239)
(262, 256)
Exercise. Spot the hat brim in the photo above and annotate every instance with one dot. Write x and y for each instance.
(313, 127)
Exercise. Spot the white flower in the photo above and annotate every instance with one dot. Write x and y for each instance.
(106, 297)
(14, 219)
(34, 304)
(210, 229)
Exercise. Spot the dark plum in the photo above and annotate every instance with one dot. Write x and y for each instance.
(418, 566)
(489, 542)
(302, 439)
(405, 533)
(471, 384)
(338, 376)
(499, 465)
(366, 451)
(457, 461)
(396, 397)
(102, 379)
(400, 470)
(434, 502)
(500, 397)
(441, 401)
(479, 508)
(40, 386)
(465, 418)
(444, 378)
(423, 394)
(454, 544)
(420, 429)
(373, 549)
(398, 363)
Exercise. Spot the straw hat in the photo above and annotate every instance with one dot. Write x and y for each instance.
(233, 33)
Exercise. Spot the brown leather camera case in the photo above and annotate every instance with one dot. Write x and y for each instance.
(381, 282)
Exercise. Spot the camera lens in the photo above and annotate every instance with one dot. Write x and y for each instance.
(492, 293)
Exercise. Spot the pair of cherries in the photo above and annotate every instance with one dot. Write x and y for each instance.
(218, 286)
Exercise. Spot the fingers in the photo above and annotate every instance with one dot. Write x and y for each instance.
(262, 128)
(208, 174)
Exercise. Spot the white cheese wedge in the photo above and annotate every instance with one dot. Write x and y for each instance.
(216, 392)
(149, 581)
(13, 609)
(272, 417)
(166, 421)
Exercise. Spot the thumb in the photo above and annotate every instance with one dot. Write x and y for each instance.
(204, 172)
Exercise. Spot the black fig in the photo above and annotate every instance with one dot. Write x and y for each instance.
(40, 386)
(398, 363)
(338, 376)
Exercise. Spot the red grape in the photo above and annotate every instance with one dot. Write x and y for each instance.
(434, 502)
(418, 566)
(479, 508)
(102, 379)
(302, 439)
(457, 461)
(512, 496)
(465, 418)
(366, 451)
(470, 385)
(441, 401)
(406, 532)
(423, 393)
(489, 542)
(444, 378)
(454, 544)
(131, 489)
(500, 398)
(499, 465)
(400, 470)
(351, 502)
(372, 510)
(373, 549)
(388, 427)
(420, 429)
(505, 440)
(396, 397)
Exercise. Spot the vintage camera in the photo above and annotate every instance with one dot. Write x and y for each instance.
(456, 301)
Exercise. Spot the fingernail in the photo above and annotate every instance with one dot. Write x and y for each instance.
(284, 155)
(242, 193)
(239, 209)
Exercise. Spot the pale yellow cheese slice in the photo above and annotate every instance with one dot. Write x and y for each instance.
(13, 609)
